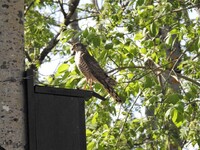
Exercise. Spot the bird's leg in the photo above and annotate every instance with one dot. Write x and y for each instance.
(90, 83)
(85, 84)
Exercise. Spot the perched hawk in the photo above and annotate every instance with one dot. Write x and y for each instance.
(92, 70)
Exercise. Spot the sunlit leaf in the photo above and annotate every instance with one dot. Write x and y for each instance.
(174, 115)
(88, 132)
(143, 50)
(94, 119)
(91, 145)
(138, 36)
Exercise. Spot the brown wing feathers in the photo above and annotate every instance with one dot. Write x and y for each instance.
(101, 76)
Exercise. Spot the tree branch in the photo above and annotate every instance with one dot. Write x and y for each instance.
(28, 56)
(186, 8)
(67, 16)
(158, 68)
(126, 118)
(188, 79)
(95, 3)
(75, 20)
(72, 8)
(49, 47)
(123, 68)
(30, 5)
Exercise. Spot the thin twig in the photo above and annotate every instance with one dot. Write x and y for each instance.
(173, 67)
(126, 118)
(83, 18)
(128, 67)
(188, 79)
(186, 8)
(31, 4)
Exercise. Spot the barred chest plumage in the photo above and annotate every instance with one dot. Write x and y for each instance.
(77, 59)
(83, 66)
(90, 68)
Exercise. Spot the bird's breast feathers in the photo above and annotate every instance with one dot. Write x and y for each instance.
(78, 56)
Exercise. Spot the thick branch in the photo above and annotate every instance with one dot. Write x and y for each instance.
(159, 69)
(72, 8)
(28, 56)
(188, 79)
(95, 3)
(49, 47)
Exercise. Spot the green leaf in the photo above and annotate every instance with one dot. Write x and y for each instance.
(168, 113)
(139, 148)
(88, 132)
(174, 114)
(91, 145)
(138, 36)
(154, 30)
(140, 3)
(169, 40)
(177, 117)
(37, 1)
(172, 98)
(94, 118)
(130, 75)
(109, 46)
(121, 35)
(85, 33)
(96, 41)
(143, 50)
(148, 82)
(62, 68)
(174, 31)
(116, 41)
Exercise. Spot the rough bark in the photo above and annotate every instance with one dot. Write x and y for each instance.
(12, 118)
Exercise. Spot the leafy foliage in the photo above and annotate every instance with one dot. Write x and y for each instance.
(122, 36)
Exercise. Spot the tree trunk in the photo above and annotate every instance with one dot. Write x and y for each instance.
(12, 118)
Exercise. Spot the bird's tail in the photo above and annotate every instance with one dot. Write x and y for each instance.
(112, 92)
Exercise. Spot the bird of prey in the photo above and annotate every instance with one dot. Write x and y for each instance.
(92, 70)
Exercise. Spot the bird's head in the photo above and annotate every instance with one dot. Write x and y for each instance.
(78, 47)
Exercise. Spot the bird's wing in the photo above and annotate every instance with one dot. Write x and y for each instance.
(96, 69)
(101, 76)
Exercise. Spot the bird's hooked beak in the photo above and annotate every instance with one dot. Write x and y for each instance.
(75, 46)
(73, 52)
(72, 49)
